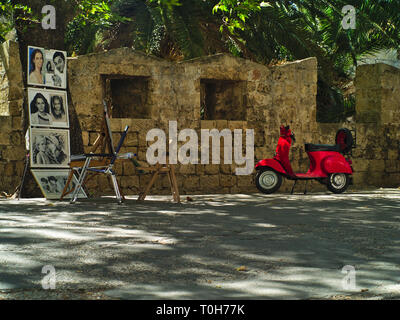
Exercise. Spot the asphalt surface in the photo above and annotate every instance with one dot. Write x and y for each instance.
(237, 246)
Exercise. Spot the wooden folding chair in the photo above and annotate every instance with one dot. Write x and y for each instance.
(156, 170)
(99, 169)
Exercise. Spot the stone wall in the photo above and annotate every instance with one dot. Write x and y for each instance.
(246, 95)
(175, 93)
(12, 141)
(377, 158)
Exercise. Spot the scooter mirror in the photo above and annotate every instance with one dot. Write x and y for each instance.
(345, 140)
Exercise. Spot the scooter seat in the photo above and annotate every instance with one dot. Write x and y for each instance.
(322, 147)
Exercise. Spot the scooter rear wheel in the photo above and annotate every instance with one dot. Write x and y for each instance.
(268, 181)
(338, 182)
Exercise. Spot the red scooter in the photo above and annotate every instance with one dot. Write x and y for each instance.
(327, 164)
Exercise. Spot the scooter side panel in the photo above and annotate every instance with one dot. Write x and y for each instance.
(336, 163)
(272, 163)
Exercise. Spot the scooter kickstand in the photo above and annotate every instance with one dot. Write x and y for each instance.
(295, 181)
(305, 187)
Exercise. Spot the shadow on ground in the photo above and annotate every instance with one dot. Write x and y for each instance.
(214, 247)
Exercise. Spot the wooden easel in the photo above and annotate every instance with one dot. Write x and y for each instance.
(103, 141)
(157, 169)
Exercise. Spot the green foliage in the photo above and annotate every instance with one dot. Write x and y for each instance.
(165, 28)
(93, 16)
(264, 31)
(10, 14)
(235, 13)
(166, 3)
(287, 30)
(349, 106)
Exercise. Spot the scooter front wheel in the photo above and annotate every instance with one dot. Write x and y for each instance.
(268, 181)
(338, 182)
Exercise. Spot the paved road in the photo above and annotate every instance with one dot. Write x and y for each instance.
(215, 247)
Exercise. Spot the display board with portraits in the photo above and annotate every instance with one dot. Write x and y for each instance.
(52, 183)
(47, 68)
(49, 121)
(48, 108)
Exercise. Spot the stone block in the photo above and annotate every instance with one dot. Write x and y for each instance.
(14, 153)
(227, 180)
(104, 183)
(245, 181)
(125, 182)
(16, 138)
(88, 123)
(191, 183)
(375, 178)
(131, 139)
(208, 124)
(377, 166)
(5, 123)
(361, 165)
(187, 169)
(211, 169)
(221, 124)
(85, 138)
(5, 139)
(15, 107)
(232, 125)
(210, 182)
(128, 168)
(392, 166)
(393, 154)
(9, 169)
(19, 168)
(226, 168)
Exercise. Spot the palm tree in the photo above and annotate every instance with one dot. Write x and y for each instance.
(278, 30)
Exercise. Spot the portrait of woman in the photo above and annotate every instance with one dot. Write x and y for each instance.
(55, 152)
(40, 113)
(57, 108)
(36, 64)
(59, 61)
(40, 150)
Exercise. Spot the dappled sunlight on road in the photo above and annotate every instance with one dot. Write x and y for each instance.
(243, 246)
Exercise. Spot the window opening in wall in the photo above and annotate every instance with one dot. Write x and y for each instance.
(223, 99)
(128, 96)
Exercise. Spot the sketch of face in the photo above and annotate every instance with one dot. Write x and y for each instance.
(44, 183)
(40, 105)
(42, 145)
(52, 184)
(38, 60)
(57, 106)
(59, 63)
(53, 148)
